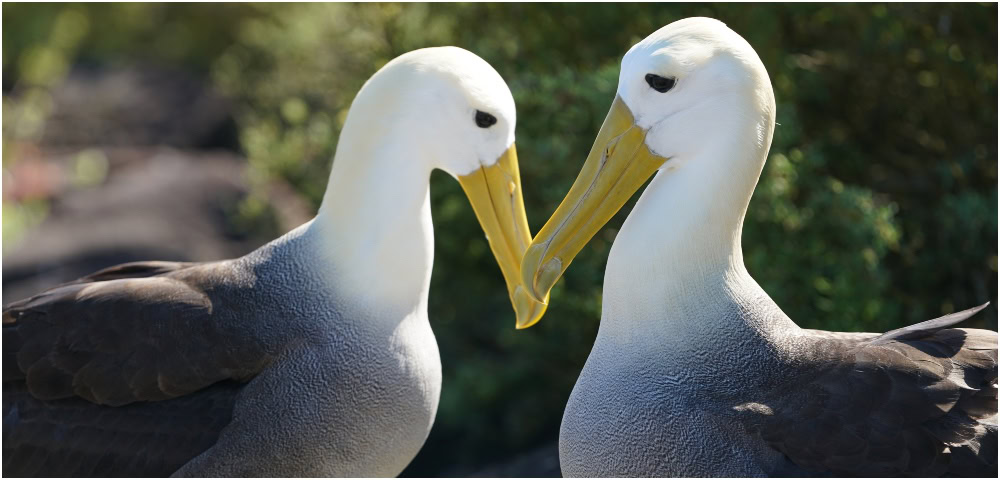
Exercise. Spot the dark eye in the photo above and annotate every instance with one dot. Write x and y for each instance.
(660, 84)
(485, 120)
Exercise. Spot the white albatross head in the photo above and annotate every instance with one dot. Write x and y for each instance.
(454, 107)
(433, 108)
(689, 96)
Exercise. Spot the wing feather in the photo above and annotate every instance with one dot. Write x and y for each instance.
(142, 331)
(76, 438)
(121, 372)
(920, 400)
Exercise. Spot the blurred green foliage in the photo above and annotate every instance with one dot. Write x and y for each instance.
(877, 207)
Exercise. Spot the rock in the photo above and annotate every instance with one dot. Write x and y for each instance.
(155, 204)
(131, 164)
(138, 106)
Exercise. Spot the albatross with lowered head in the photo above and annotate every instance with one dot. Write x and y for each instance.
(311, 356)
(695, 370)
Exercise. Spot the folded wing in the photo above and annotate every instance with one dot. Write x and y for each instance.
(134, 369)
(921, 400)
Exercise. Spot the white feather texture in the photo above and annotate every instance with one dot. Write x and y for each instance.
(365, 385)
(676, 291)
(715, 127)
(416, 114)
(695, 371)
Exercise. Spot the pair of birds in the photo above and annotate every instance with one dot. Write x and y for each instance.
(313, 355)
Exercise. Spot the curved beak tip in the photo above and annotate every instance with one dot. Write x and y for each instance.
(547, 276)
(533, 276)
(618, 165)
(528, 310)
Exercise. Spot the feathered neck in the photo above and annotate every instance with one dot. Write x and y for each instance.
(677, 264)
(375, 219)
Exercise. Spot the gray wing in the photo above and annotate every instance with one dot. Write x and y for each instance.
(76, 438)
(921, 401)
(111, 370)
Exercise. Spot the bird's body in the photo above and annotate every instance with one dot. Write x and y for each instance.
(311, 356)
(695, 371)
(745, 399)
(659, 409)
(330, 378)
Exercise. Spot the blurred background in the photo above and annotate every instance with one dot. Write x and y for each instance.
(199, 132)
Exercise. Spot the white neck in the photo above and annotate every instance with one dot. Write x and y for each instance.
(677, 263)
(375, 221)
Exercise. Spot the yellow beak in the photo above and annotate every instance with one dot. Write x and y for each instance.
(495, 194)
(618, 164)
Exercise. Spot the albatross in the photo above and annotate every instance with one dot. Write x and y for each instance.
(695, 371)
(311, 356)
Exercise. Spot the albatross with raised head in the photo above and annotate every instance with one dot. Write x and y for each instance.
(311, 356)
(695, 371)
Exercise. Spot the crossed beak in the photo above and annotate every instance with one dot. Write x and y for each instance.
(618, 164)
(495, 195)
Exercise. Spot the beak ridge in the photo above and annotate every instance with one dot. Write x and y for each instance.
(618, 165)
(495, 194)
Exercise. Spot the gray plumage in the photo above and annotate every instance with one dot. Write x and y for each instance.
(695, 371)
(914, 401)
(107, 375)
(775, 400)
(311, 356)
